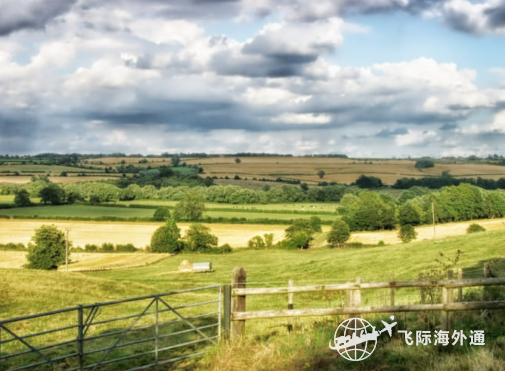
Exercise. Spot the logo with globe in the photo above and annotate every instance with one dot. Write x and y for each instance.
(355, 338)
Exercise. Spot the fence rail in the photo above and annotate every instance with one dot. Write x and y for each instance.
(158, 328)
(237, 292)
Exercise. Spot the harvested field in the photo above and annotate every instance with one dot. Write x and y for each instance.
(336, 169)
(139, 234)
(425, 232)
(88, 261)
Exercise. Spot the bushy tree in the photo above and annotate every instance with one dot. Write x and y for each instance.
(369, 212)
(410, 214)
(199, 238)
(299, 234)
(315, 223)
(424, 163)
(161, 214)
(338, 234)
(237, 160)
(369, 182)
(53, 194)
(256, 242)
(191, 207)
(166, 238)
(321, 174)
(22, 198)
(107, 247)
(48, 248)
(407, 233)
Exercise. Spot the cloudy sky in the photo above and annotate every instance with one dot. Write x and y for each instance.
(368, 78)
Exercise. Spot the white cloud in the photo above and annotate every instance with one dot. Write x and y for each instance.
(302, 118)
(415, 138)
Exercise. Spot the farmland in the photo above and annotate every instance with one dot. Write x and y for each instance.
(337, 169)
(139, 234)
(304, 169)
(87, 261)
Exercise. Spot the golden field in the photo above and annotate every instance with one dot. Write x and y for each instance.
(139, 234)
(88, 261)
(425, 232)
(336, 169)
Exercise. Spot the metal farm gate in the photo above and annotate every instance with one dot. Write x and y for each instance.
(130, 334)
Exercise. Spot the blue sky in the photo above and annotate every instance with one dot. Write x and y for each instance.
(360, 77)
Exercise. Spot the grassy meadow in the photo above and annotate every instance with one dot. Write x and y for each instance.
(274, 348)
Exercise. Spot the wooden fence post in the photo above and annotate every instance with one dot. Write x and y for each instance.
(392, 290)
(460, 289)
(238, 281)
(226, 311)
(448, 298)
(290, 304)
(353, 298)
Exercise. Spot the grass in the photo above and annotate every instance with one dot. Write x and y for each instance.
(44, 168)
(89, 211)
(268, 346)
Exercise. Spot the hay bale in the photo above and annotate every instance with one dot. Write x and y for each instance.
(185, 266)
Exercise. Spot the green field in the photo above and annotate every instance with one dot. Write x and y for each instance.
(265, 268)
(89, 211)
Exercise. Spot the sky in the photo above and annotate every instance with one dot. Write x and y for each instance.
(365, 78)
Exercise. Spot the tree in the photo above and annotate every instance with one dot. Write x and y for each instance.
(22, 198)
(299, 234)
(410, 214)
(369, 212)
(161, 214)
(338, 234)
(237, 160)
(321, 174)
(304, 187)
(53, 194)
(191, 207)
(315, 223)
(369, 182)
(424, 164)
(48, 248)
(199, 238)
(176, 160)
(167, 238)
(407, 233)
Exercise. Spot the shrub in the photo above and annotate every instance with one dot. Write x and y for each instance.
(407, 233)
(166, 238)
(12, 246)
(107, 247)
(161, 214)
(53, 194)
(338, 234)
(48, 248)
(474, 228)
(128, 247)
(256, 243)
(90, 247)
(381, 243)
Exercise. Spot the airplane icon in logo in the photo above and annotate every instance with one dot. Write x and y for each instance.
(343, 342)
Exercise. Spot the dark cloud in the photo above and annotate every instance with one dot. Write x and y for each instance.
(18, 130)
(449, 126)
(387, 133)
(496, 15)
(31, 14)
(227, 63)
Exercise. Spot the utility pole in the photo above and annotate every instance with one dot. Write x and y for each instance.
(433, 215)
(66, 250)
